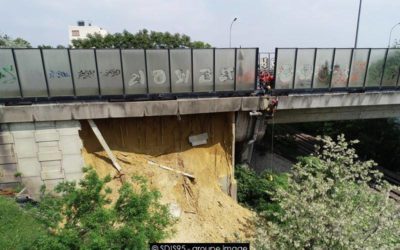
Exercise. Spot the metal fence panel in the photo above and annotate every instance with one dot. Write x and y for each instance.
(158, 71)
(110, 73)
(358, 67)
(31, 73)
(58, 72)
(203, 70)
(134, 65)
(85, 72)
(9, 86)
(224, 69)
(245, 69)
(181, 70)
(341, 68)
(304, 68)
(323, 68)
(285, 68)
(392, 66)
(375, 67)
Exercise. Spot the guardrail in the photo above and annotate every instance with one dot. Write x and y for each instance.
(325, 69)
(51, 74)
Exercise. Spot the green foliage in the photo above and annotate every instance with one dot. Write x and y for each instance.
(379, 138)
(329, 204)
(8, 42)
(142, 39)
(85, 218)
(254, 190)
(18, 229)
(391, 69)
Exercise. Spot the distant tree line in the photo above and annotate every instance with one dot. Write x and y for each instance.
(143, 39)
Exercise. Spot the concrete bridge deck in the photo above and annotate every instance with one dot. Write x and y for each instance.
(337, 106)
(97, 110)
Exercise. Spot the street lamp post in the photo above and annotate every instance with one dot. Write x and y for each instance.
(230, 32)
(358, 23)
(390, 36)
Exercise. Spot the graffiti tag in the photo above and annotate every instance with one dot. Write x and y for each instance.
(226, 74)
(159, 76)
(58, 74)
(206, 75)
(285, 74)
(357, 72)
(111, 72)
(86, 74)
(340, 75)
(8, 74)
(137, 78)
(183, 77)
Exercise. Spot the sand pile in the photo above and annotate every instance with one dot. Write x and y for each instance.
(206, 213)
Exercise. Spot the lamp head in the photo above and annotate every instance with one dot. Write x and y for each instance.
(235, 19)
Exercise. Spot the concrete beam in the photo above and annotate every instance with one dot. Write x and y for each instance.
(98, 110)
(338, 100)
(335, 114)
(337, 106)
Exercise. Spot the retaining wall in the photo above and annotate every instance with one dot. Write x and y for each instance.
(41, 153)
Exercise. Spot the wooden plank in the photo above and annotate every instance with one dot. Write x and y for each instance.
(170, 169)
(104, 144)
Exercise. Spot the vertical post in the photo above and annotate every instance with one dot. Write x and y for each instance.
(257, 68)
(72, 72)
(358, 24)
(276, 58)
(294, 68)
(17, 73)
(366, 69)
(122, 73)
(350, 66)
(147, 73)
(45, 73)
(97, 71)
(214, 87)
(383, 67)
(398, 77)
(169, 69)
(332, 67)
(234, 70)
(192, 69)
(313, 71)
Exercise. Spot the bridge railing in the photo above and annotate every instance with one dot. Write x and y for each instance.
(326, 69)
(35, 74)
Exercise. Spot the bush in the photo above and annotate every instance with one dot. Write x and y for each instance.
(84, 218)
(254, 190)
(18, 229)
(329, 204)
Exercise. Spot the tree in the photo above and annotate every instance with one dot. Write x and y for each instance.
(333, 201)
(8, 42)
(142, 39)
(43, 46)
(379, 138)
(85, 218)
(254, 189)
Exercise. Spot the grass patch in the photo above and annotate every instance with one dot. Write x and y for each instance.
(18, 228)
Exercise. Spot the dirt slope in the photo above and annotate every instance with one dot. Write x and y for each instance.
(206, 213)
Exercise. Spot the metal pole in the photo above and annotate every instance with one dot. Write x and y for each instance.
(230, 32)
(358, 23)
(390, 36)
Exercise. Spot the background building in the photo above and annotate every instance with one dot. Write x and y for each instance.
(82, 30)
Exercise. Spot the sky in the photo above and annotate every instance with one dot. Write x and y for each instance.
(266, 24)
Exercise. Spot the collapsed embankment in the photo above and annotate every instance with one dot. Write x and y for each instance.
(206, 213)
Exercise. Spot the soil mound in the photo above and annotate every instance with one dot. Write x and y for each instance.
(205, 212)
